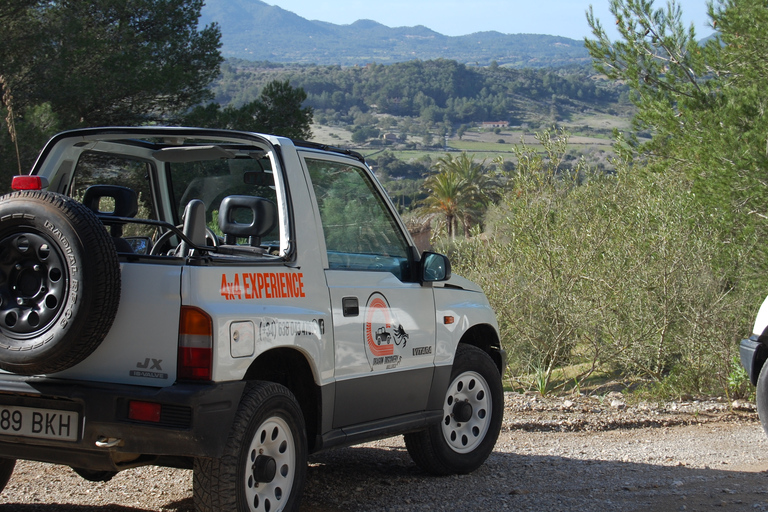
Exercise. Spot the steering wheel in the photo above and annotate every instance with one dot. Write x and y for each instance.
(163, 239)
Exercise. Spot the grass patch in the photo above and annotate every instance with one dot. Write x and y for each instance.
(567, 380)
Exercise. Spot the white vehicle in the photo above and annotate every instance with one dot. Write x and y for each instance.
(216, 300)
(754, 354)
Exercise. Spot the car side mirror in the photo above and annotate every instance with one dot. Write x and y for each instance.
(435, 267)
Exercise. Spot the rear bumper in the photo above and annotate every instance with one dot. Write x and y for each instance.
(194, 421)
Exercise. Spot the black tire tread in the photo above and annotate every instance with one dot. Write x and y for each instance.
(761, 397)
(103, 269)
(6, 470)
(427, 447)
(422, 452)
(214, 480)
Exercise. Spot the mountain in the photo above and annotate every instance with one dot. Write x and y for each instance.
(257, 31)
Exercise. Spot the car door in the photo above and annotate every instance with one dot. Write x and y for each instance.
(383, 318)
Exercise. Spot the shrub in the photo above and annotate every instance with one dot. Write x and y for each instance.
(619, 272)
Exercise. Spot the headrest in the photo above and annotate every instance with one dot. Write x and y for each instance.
(126, 200)
(261, 215)
(194, 225)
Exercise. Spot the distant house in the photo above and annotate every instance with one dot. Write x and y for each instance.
(495, 124)
(390, 137)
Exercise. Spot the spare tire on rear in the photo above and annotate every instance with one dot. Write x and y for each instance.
(59, 282)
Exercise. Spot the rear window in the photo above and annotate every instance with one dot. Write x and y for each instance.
(94, 168)
(213, 180)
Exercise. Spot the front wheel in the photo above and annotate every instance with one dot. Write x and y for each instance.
(265, 459)
(472, 413)
(762, 397)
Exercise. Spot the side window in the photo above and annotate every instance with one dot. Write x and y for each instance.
(360, 232)
(104, 169)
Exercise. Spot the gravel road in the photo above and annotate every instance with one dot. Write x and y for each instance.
(555, 454)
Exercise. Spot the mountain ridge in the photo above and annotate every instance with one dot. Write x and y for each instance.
(257, 31)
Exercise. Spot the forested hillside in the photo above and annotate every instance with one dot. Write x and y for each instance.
(439, 90)
(417, 110)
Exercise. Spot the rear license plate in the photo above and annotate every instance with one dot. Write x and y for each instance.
(39, 423)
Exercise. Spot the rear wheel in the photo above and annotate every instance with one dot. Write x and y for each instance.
(265, 460)
(6, 470)
(472, 412)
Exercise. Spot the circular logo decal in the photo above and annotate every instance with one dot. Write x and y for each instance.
(382, 333)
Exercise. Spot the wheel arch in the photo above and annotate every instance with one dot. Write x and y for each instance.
(760, 357)
(291, 368)
(486, 338)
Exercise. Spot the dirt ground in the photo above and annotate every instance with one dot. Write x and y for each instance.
(555, 454)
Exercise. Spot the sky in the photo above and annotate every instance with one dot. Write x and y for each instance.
(460, 17)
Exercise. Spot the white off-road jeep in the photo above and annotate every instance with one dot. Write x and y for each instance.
(229, 302)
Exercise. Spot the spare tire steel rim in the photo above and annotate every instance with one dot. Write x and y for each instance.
(33, 284)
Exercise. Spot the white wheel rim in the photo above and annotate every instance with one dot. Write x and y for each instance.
(273, 439)
(469, 388)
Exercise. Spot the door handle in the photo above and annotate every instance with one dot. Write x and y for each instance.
(350, 306)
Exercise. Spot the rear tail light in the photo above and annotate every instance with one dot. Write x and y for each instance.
(195, 345)
(29, 183)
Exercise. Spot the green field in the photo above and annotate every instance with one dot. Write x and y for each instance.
(482, 144)
(483, 147)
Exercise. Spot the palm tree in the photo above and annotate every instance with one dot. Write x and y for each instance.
(444, 192)
(460, 189)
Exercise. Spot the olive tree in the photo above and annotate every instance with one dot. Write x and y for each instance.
(605, 272)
